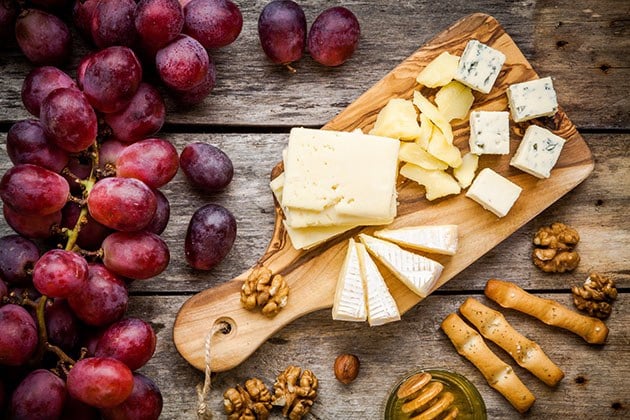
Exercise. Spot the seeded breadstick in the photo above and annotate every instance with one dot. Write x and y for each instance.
(550, 312)
(493, 325)
(499, 374)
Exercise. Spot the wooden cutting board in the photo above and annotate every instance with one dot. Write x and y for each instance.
(312, 274)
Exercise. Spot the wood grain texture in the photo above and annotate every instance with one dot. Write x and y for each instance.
(312, 274)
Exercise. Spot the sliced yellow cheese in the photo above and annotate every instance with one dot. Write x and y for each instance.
(454, 101)
(276, 186)
(309, 237)
(413, 153)
(418, 273)
(381, 306)
(440, 71)
(444, 151)
(437, 183)
(434, 114)
(465, 172)
(426, 131)
(349, 303)
(440, 239)
(398, 119)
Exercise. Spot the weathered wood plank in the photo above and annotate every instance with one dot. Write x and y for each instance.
(592, 387)
(252, 91)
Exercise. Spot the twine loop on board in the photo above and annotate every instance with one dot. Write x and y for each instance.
(203, 413)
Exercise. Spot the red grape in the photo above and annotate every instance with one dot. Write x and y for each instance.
(34, 227)
(109, 152)
(152, 161)
(210, 236)
(43, 38)
(27, 143)
(60, 273)
(158, 22)
(69, 120)
(31, 189)
(131, 340)
(144, 403)
(136, 255)
(198, 93)
(110, 78)
(4, 291)
(112, 23)
(206, 167)
(102, 300)
(19, 335)
(8, 14)
(18, 255)
(182, 64)
(125, 204)
(282, 31)
(162, 214)
(333, 36)
(39, 83)
(100, 381)
(78, 410)
(82, 12)
(78, 169)
(61, 325)
(40, 396)
(214, 23)
(143, 117)
(91, 233)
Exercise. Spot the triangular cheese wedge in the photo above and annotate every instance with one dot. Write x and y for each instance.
(417, 272)
(437, 239)
(349, 304)
(381, 306)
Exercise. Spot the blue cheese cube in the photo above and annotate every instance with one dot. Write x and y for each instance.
(533, 99)
(489, 132)
(494, 192)
(479, 66)
(538, 152)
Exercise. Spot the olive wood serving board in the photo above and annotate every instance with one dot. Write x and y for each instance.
(312, 274)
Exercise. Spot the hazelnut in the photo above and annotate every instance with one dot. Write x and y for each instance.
(346, 368)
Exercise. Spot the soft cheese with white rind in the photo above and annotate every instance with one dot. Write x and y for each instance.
(479, 66)
(353, 172)
(532, 99)
(439, 239)
(416, 272)
(381, 306)
(489, 132)
(350, 299)
(538, 152)
(494, 192)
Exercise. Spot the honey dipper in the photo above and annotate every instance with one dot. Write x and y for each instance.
(425, 397)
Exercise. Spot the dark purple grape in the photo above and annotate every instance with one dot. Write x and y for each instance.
(108, 153)
(206, 167)
(210, 236)
(214, 23)
(4, 291)
(78, 169)
(110, 78)
(162, 214)
(125, 204)
(59, 273)
(282, 31)
(100, 382)
(33, 227)
(78, 410)
(152, 161)
(91, 234)
(40, 396)
(103, 300)
(61, 325)
(200, 92)
(143, 117)
(39, 83)
(131, 340)
(182, 64)
(90, 337)
(136, 255)
(51, 4)
(18, 256)
(158, 22)
(112, 23)
(19, 335)
(8, 14)
(27, 143)
(31, 189)
(144, 403)
(69, 120)
(82, 12)
(334, 36)
(43, 38)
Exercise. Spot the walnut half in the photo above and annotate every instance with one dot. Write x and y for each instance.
(264, 290)
(554, 248)
(595, 297)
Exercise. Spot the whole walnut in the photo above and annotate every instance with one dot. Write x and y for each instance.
(295, 391)
(251, 402)
(595, 297)
(554, 248)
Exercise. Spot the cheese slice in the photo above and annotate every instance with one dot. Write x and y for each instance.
(441, 239)
(349, 303)
(418, 273)
(380, 304)
(309, 237)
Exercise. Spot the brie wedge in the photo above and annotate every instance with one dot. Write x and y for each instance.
(349, 304)
(437, 239)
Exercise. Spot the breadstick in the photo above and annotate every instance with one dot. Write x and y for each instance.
(509, 295)
(499, 374)
(527, 353)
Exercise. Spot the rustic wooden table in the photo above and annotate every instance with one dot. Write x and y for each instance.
(584, 46)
